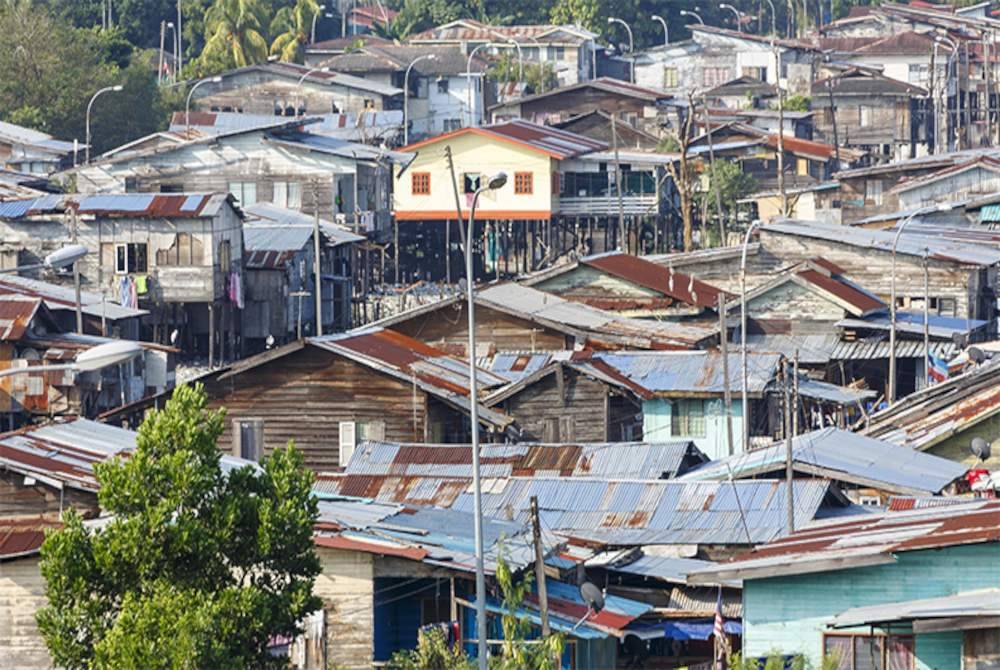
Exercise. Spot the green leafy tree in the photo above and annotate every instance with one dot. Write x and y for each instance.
(291, 29)
(538, 77)
(234, 35)
(732, 182)
(515, 653)
(584, 13)
(432, 653)
(797, 103)
(198, 567)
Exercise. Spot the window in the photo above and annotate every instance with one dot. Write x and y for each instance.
(919, 74)
(557, 53)
(225, 254)
(754, 72)
(245, 192)
(287, 194)
(442, 85)
(947, 306)
(870, 652)
(865, 115)
(130, 258)
(688, 418)
(451, 124)
(873, 191)
(523, 183)
(471, 181)
(420, 183)
(714, 76)
(167, 188)
(185, 251)
(669, 77)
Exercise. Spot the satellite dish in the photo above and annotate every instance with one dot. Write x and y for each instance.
(269, 341)
(980, 448)
(976, 355)
(593, 596)
(961, 340)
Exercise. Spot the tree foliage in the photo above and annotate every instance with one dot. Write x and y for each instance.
(732, 182)
(51, 69)
(197, 568)
(291, 29)
(515, 654)
(234, 35)
(432, 653)
(537, 77)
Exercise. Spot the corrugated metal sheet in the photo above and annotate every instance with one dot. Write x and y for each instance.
(189, 205)
(673, 372)
(337, 147)
(826, 392)
(984, 603)
(16, 314)
(263, 214)
(867, 539)
(23, 537)
(911, 243)
(616, 512)
(665, 568)
(942, 327)
(63, 298)
(470, 30)
(624, 460)
(681, 287)
(845, 456)
(878, 348)
(590, 322)
(844, 290)
(989, 214)
(812, 349)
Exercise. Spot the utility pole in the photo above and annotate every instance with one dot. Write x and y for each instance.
(543, 596)
(163, 38)
(789, 471)
(727, 394)
(927, 331)
(317, 271)
(618, 178)
(180, 42)
(833, 116)
(795, 395)
(781, 131)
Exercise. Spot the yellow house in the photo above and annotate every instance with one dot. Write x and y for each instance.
(528, 153)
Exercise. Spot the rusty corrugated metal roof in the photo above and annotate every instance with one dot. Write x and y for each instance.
(16, 314)
(24, 536)
(184, 205)
(668, 281)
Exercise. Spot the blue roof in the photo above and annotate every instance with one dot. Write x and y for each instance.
(679, 372)
(844, 456)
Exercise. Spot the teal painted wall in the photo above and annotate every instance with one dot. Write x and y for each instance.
(657, 415)
(791, 613)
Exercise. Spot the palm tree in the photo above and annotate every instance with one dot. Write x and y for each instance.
(291, 27)
(233, 34)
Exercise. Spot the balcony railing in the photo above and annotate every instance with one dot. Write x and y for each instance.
(634, 205)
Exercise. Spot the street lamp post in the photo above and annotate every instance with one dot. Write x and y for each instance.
(406, 95)
(496, 181)
(774, 18)
(697, 16)
(65, 257)
(890, 395)
(312, 32)
(90, 104)
(631, 45)
(739, 15)
(745, 398)
(666, 31)
(302, 79)
(101, 356)
(468, 83)
(187, 105)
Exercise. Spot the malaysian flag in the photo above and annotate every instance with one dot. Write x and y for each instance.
(721, 644)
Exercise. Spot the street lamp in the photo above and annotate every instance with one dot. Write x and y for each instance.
(64, 257)
(739, 16)
(468, 82)
(101, 356)
(321, 68)
(520, 57)
(774, 17)
(890, 395)
(495, 182)
(89, 106)
(631, 46)
(312, 33)
(697, 16)
(187, 106)
(666, 31)
(406, 95)
(745, 401)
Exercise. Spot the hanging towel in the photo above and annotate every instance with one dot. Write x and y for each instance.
(238, 290)
(133, 297)
(123, 291)
(141, 285)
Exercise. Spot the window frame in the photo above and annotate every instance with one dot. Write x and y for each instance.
(885, 639)
(130, 251)
(420, 183)
(691, 426)
(671, 76)
(524, 183)
(476, 177)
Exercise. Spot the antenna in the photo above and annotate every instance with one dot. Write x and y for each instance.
(593, 596)
(980, 448)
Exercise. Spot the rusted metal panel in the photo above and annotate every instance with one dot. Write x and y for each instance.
(665, 280)
(16, 314)
(24, 536)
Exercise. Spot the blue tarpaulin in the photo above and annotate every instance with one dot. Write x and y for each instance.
(698, 630)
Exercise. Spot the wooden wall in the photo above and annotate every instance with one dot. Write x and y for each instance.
(447, 329)
(347, 588)
(579, 409)
(303, 396)
(22, 593)
(16, 499)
